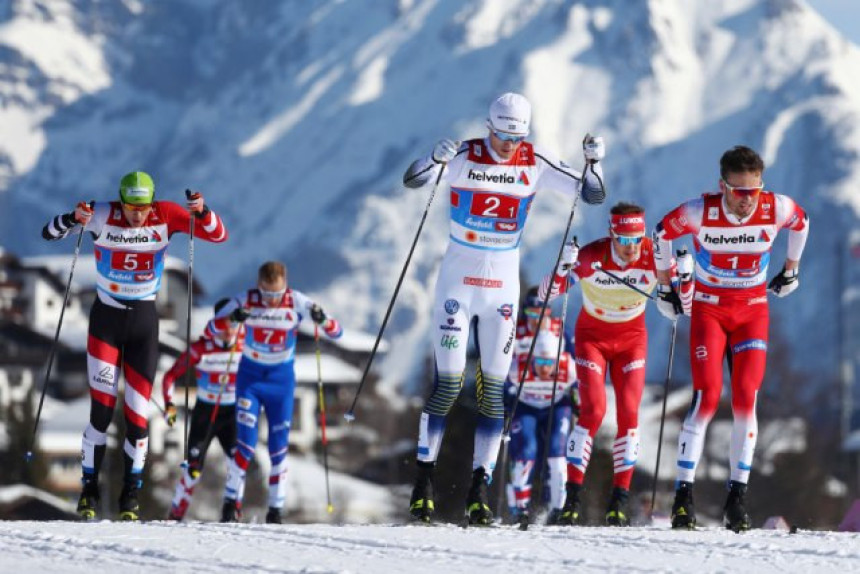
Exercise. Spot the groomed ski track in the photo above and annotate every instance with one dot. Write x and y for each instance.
(239, 548)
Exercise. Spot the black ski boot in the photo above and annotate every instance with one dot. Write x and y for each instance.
(273, 516)
(89, 499)
(617, 513)
(231, 511)
(129, 509)
(683, 510)
(735, 511)
(478, 502)
(572, 510)
(552, 519)
(421, 505)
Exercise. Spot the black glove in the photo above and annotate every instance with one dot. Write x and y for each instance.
(318, 315)
(668, 302)
(239, 315)
(784, 283)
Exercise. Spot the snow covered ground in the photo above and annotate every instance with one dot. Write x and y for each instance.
(206, 547)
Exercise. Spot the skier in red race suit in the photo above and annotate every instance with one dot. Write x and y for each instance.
(215, 359)
(610, 338)
(130, 239)
(733, 233)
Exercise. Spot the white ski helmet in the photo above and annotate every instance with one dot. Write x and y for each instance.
(546, 346)
(510, 113)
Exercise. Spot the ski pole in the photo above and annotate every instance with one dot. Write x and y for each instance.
(596, 265)
(350, 414)
(329, 506)
(538, 481)
(663, 414)
(29, 455)
(191, 216)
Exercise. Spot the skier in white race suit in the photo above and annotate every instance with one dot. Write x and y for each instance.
(493, 181)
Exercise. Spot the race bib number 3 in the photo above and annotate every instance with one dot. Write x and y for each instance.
(494, 205)
(131, 261)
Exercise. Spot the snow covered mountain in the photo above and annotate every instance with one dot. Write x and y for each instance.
(296, 119)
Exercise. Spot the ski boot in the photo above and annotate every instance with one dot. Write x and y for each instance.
(572, 510)
(617, 513)
(89, 499)
(177, 511)
(552, 519)
(231, 511)
(478, 502)
(683, 510)
(421, 505)
(735, 511)
(129, 508)
(273, 516)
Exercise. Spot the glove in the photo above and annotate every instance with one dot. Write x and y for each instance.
(239, 315)
(445, 150)
(83, 213)
(784, 282)
(569, 255)
(685, 265)
(194, 201)
(170, 414)
(318, 315)
(668, 302)
(593, 148)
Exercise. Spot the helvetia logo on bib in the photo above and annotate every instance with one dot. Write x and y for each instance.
(763, 236)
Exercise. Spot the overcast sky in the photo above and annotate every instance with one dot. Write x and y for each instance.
(844, 15)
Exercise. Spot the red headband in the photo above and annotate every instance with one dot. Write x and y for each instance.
(627, 223)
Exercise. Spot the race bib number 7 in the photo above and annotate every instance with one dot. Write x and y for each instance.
(269, 336)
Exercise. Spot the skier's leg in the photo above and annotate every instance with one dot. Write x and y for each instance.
(627, 370)
(556, 462)
(523, 451)
(191, 471)
(278, 402)
(247, 418)
(707, 347)
(591, 372)
(748, 345)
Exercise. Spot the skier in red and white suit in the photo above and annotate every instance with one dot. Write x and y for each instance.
(610, 337)
(733, 232)
(493, 182)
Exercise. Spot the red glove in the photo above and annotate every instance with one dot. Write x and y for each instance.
(83, 212)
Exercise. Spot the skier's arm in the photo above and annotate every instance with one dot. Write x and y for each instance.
(555, 174)
(89, 214)
(308, 308)
(683, 220)
(177, 370)
(207, 224)
(792, 217)
(425, 169)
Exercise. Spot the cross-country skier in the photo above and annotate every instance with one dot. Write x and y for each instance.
(530, 420)
(733, 232)
(610, 339)
(215, 358)
(130, 239)
(266, 379)
(493, 181)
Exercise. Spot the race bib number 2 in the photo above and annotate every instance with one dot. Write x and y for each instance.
(495, 205)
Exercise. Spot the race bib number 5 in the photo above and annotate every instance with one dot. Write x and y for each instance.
(131, 261)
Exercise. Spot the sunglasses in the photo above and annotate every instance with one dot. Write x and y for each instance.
(137, 208)
(506, 137)
(272, 294)
(544, 362)
(744, 191)
(628, 240)
(532, 313)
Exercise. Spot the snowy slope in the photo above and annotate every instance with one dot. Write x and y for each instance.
(31, 547)
(297, 120)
